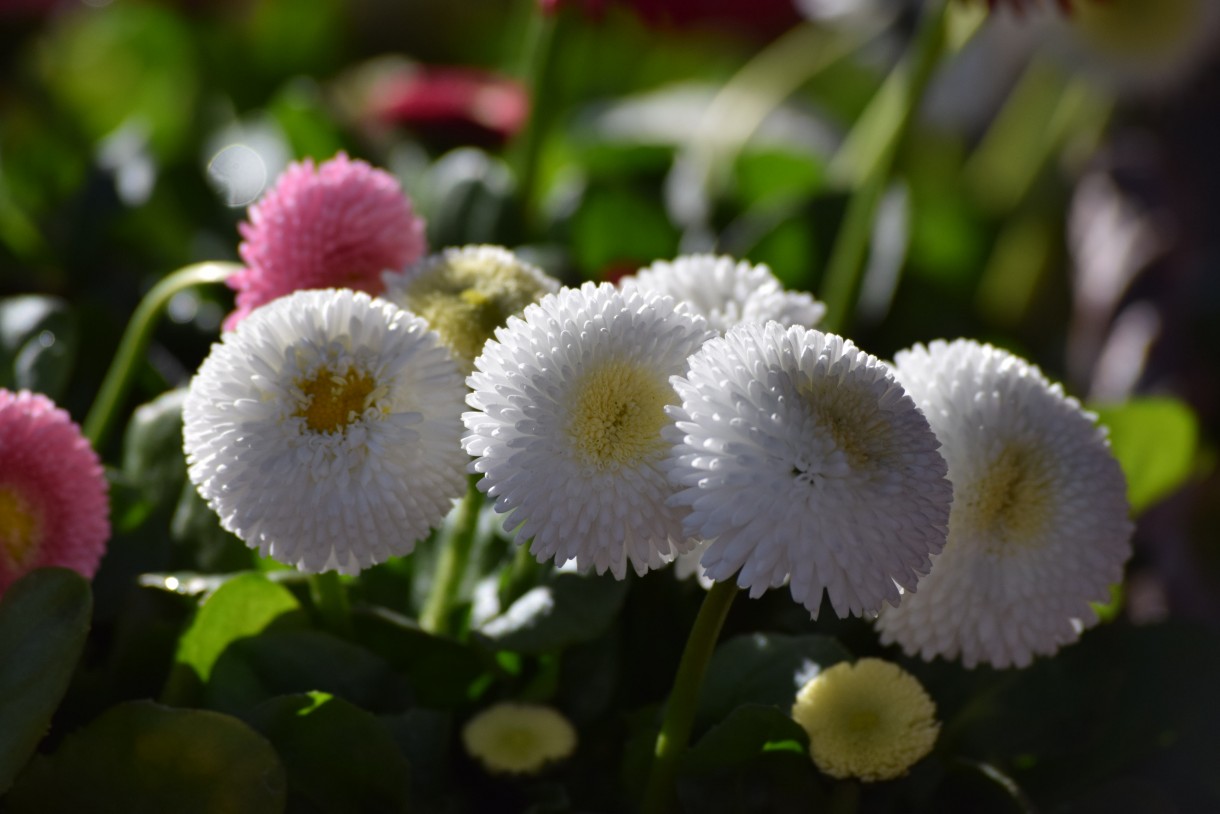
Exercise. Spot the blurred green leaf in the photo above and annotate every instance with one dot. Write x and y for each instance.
(38, 339)
(284, 661)
(142, 757)
(44, 619)
(469, 198)
(243, 606)
(621, 225)
(153, 460)
(748, 763)
(566, 609)
(444, 673)
(762, 668)
(747, 732)
(197, 530)
(765, 175)
(338, 758)
(1155, 441)
(126, 64)
(424, 736)
(307, 124)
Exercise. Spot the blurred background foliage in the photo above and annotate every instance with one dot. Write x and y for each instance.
(1044, 199)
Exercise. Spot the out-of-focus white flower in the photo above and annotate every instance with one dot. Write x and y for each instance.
(325, 430)
(1039, 525)
(570, 403)
(726, 291)
(803, 460)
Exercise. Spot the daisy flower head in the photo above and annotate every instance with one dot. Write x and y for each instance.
(1039, 525)
(802, 460)
(569, 404)
(512, 738)
(726, 291)
(339, 225)
(325, 430)
(870, 720)
(54, 509)
(466, 293)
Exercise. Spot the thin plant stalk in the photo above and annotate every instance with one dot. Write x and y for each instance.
(330, 597)
(867, 158)
(452, 563)
(659, 796)
(115, 386)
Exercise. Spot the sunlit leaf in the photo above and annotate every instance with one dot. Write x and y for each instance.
(1155, 440)
(567, 609)
(38, 339)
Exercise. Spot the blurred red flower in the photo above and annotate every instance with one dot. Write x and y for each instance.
(454, 104)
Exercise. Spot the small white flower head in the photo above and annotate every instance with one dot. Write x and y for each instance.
(570, 403)
(802, 459)
(726, 291)
(325, 430)
(1039, 525)
(513, 738)
(871, 720)
(466, 293)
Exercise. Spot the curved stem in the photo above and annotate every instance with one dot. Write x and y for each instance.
(110, 395)
(866, 159)
(452, 561)
(684, 698)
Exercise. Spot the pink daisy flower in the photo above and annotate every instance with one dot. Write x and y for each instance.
(53, 504)
(337, 227)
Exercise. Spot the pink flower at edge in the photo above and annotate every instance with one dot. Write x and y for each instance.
(337, 227)
(54, 508)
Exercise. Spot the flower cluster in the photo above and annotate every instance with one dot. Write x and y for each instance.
(692, 411)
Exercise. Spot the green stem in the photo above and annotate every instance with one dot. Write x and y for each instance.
(866, 160)
(453, 558)
(100, 420)
(330, 597)
(539, 73)
(683, 699)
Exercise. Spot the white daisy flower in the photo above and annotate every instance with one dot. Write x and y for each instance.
(325, 430)
(727, 291)
(571, 400)
(1039, 526)
(802, 459)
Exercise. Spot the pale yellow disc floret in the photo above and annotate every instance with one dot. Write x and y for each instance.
(618, 414)
(1011, 505)
(871, 720)
(20, 529)
(513, 738)
(333, 401)
(465, 294)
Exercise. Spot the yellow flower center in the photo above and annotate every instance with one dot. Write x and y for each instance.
(334, 401)
(1010, 505)
(1137, 27)
(20, 529)
(468, 296)
(619, 414)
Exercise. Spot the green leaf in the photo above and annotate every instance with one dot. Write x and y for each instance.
(38, 339)
(243, 606)
(143, 757)
(757, 759)
(44, 619)
(338, 758)
(747, 732)
(152, 448)
(443, 673)
(1155, 441)
(566, 609)
(469, 198)
(280, 662)
(424, 736)
(762, 668)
